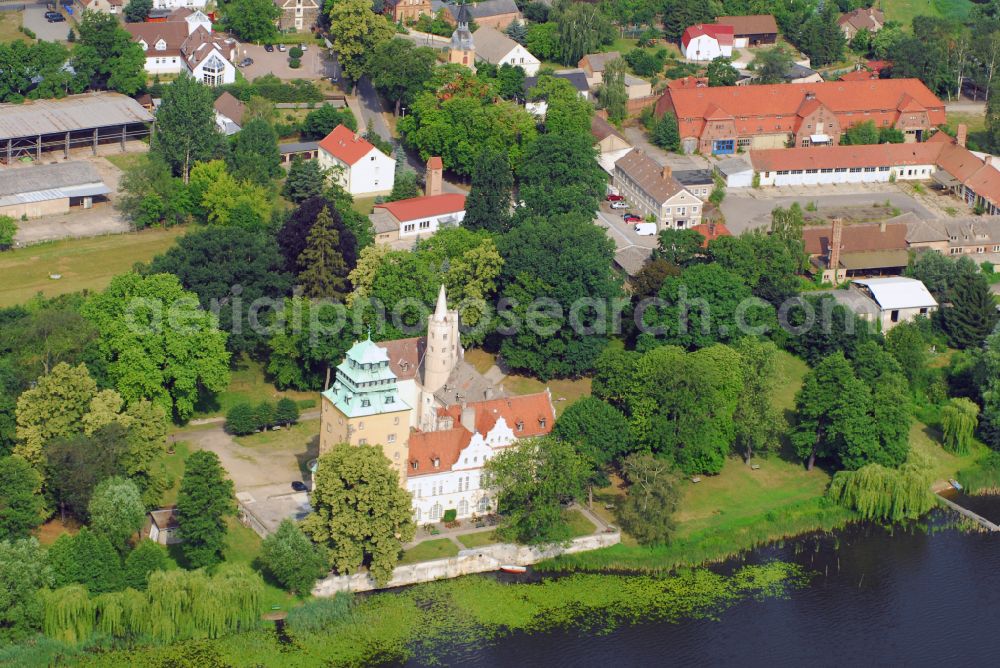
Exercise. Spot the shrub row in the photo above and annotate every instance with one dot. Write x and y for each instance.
(243, 418)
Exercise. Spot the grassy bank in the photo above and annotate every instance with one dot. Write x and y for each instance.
(85, 264)
(424, 621)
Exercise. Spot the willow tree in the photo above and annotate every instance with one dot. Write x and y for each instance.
(69, 614)
(959, 420)
(878, 492)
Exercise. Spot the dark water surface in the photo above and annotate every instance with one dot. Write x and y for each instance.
(898, 597)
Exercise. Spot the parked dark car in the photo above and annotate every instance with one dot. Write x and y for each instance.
(269, 48)
(54, 17)
(299, 486)
(246, 62)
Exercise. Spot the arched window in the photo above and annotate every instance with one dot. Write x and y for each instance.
(484, 503)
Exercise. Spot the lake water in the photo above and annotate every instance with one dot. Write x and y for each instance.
(899, 597)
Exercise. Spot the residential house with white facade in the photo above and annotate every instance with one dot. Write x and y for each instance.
(355, 163)
(494, 47)
(102, 6)
(186, 43)
(419, 217)
(652, 192)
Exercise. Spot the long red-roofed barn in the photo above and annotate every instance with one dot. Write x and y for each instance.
(723, 119)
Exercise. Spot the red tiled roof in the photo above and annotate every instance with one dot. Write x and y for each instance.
(711, 232)
(435, 163)
(345, 145)
(532, 411)
(856, 238)
(404, 355)
(831, 157)
(444, 446)
(771, 109)
(688, 82)
(755, 24)
(859, 75)
(424, 206)
(173, 34)
(721, 34)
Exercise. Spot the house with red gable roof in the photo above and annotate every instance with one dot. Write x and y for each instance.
(422, 216)
(355, 163)
(445, 466)
(707, 41)
(724, 119)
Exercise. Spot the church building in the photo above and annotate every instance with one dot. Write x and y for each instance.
(436, 417)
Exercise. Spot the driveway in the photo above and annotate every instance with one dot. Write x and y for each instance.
(748, 209)
(315, 63)
(102, 219)
(34, 19)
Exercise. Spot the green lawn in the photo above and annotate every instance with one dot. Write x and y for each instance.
(83, 263)
(976, 124)
(174, 464)
(579, 525)
(903, 11)
(439, 548)
(478, 539)
(363, 205)
(249, 384)
(125, 161)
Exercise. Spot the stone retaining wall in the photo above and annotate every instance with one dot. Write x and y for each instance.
(477, 560)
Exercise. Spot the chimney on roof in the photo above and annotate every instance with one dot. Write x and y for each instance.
(835, 243)
(666, 173)
(469, 418)
(433, 177)
(881, 226)
(961, 134)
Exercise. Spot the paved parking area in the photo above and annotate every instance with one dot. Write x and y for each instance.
(34, 19)
(316, 64)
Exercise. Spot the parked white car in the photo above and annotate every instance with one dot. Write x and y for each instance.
(619, 205)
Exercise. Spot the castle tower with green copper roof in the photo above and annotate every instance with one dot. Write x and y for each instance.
(363, 406)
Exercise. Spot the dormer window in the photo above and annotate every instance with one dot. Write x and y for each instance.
(415, 464)
(365, 403)
(520, 425)
(161, 45)
(390, 399)
(541, 422)
(436, 462)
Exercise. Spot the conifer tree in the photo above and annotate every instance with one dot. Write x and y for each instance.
(204, 501)
(324, 273)
(305, 179)
(973, 314)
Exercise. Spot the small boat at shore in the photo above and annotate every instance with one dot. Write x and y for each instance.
(955, 484)
(511, 568)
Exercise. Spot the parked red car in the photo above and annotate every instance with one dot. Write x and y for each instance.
(632, 218)
(614, 198)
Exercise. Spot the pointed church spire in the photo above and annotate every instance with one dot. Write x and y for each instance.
(441, 310)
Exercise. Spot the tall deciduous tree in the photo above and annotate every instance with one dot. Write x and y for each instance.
(582, 29)
(359, 510)
(531, 482)
(356, 32)
(106, 57)
(20, 502)
(772, 65)
(564, 258)
(229, 268)
(612, 95)
(321, 121)
(665, 133)
(758, 423)
(488, 204)
(204, 502)
(136, 11)
(303, 350)
(560, 175)
(324, 271)
(294, 560)
(251, 20)
(147, 557)
(8, 228)
(149, 354)
(253, 154)
(76, 464)
(186, 132)
(116, 510)
(399, 70)
(722, 73)
(647, 511)
(54, 408)
(24, 573)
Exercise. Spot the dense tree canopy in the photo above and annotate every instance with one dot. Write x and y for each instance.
(488, 205)
(149, 355)
(253, 154)
(294, 560)
(356, 32)
(185, 126)
(20, 503)
(399, 69)
(229, 269)
(531, 482)
(105, 57)
(251, 20)
(648, 508)
(359, 510)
